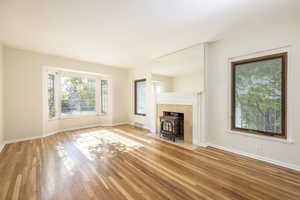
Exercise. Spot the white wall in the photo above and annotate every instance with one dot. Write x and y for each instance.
(23, 94)
(251, 39)
(166, 82)
(1, 98)
(189, 82)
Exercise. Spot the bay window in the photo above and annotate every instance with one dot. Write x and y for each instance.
(75, 94)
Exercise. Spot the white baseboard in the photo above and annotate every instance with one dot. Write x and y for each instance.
(275, 162)
(71, 129)
(203, 145)
(88, 126)
(115, 124)
(120, 123)
(22, 139)
(63, 130)
(143, 126)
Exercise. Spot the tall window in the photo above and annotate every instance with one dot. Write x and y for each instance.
(104, 96)
(51, 96)
(140, 97)
(259, 95)
(78, 96)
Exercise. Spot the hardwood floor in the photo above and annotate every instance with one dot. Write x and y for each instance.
(121, 162)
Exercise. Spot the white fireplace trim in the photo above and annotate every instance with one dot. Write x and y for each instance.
(193, 99)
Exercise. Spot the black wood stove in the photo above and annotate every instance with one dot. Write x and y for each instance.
(171, 125)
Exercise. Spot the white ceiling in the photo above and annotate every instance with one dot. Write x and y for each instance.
(125, 33)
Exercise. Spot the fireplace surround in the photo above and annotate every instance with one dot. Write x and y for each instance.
(190, 105)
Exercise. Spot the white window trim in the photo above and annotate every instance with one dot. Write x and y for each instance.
(290, 104)
(55, 94)
(109, 98)
(87, 75)
(98, 96)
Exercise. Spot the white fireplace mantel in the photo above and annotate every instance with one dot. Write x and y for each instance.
(184, 98)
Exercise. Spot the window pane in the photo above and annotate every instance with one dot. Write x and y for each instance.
(141, 97)
(258, 96)
(78, 96)
(51, 96)
(104, 96)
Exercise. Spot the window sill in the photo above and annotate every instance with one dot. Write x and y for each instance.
(53, 119)
(77, 116)
(287, 141)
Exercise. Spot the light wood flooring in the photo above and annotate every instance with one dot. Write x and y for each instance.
(122, 162)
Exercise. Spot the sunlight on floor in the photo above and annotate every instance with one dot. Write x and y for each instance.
(67, 161)
(104, 143)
